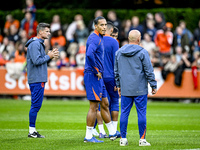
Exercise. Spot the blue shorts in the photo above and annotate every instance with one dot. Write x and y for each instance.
(113, 96)
(95, 89)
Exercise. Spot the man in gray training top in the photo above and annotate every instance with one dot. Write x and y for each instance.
(133, 72)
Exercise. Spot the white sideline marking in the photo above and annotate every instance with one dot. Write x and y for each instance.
(65, 130)
(188, 149)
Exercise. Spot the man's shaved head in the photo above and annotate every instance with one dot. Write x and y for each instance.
(134, 36)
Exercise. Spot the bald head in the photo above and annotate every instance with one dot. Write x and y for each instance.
(134, 36)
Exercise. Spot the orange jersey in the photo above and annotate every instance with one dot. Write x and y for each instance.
(8, 24)
(162, 41)
(20, 58)
(60, 40)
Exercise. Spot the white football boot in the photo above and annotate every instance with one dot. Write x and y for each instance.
(123, 142)
(143, 142)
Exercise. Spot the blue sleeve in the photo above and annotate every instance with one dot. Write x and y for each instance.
(35, 54)
(148, 69)
(90, 55)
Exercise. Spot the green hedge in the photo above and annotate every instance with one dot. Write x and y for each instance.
(191, 16)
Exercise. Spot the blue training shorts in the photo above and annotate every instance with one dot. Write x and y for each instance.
(95, 89)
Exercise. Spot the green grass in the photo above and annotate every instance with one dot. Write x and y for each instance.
(170, 125)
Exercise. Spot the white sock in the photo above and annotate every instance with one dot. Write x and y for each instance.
(101, 129)
(111, 129)
(32, 129)
(89, 132)
(115, 124)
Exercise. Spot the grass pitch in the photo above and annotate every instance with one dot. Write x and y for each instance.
(170, 126)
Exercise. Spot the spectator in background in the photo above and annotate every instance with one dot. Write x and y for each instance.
(58, 40)
(72, 28)
(170, 66)
(14, 69)
(97, 13)
(184, 63)
(72, 61)
(135, 25)
(150, 29)
(31, 32)
(112, 17)
(197, 38)
(80, 57)
(4, 58)
(55, 24)
(179, 53)
(63, 61)
(23, 36)
(10, 21)
(19, 55)
(163, 39)
(148, 44)
(195, 65)
(13, 36)
(7, 46)
(182, 24)
(160, 20)
(126, 25)
(181, 39)
(72, 51)
(149, 16)
(81, 32)
(31, 8)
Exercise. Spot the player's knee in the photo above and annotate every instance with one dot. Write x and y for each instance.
(105, 102)
(94, 107)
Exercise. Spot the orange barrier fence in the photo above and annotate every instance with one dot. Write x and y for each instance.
(65, 82)
(167, 88)
(69, 82)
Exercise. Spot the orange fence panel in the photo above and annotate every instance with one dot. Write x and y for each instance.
(65, 82)
(69, 82)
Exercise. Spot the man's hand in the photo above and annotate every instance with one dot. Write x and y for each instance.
(50, 53)
(119, 91)
(54, 53)
(115, 88)
(154, 91)
(99, 75)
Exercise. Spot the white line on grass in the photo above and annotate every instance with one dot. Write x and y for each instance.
(57, 130)
(39, 130)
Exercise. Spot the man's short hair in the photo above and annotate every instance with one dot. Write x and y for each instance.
(115, 30)
(110, 25)
(96, 20)
(42, 26)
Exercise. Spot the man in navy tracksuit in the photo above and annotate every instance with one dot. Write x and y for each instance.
(133, 72)
(37, 72)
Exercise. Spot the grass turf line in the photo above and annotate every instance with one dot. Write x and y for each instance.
(170, 125)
